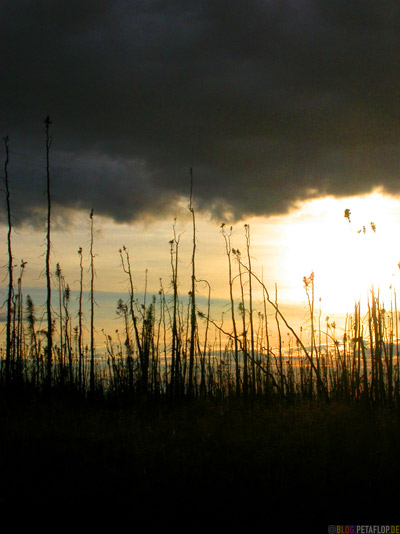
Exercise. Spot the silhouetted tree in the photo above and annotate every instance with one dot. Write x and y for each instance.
(192, 293)
(47, 123)
(92, 377)
(10, 266)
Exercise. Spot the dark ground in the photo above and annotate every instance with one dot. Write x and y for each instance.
(203, 464)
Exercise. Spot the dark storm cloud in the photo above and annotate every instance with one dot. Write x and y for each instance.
(268, 100)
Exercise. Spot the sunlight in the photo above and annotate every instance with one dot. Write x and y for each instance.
(348, 254)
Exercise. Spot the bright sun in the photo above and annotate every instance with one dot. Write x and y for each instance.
(347, 254)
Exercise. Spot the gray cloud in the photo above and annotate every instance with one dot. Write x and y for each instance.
(268, 100)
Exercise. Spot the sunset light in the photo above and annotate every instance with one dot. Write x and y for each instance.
(200, 265)
(348, 255)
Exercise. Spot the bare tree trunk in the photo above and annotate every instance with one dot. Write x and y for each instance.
(193, 293)
(33, 341)
(67, 335)
(247, 230)
(60, 299)
(175, 350)
(80, 320)
(127, 269)
(91, 382)
(10, 267)
(242, 310)
(235, 335)
(48, 244)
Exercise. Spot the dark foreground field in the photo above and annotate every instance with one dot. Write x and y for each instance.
(202, 464)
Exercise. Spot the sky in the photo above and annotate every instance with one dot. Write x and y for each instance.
(274, 104)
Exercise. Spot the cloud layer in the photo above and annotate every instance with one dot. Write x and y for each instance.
(270, 101)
